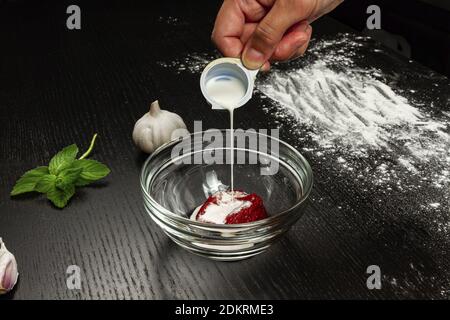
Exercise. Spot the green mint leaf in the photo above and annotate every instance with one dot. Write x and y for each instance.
(63, 159)
(67, 178)
(27, 182)
(60, 197)
(46, 183)
(92, 171)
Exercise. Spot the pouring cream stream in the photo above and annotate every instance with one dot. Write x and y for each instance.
(227, 92)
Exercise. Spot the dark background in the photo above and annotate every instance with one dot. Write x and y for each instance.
(425, 25)
(58, 87)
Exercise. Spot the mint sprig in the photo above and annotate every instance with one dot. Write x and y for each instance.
(63, 174)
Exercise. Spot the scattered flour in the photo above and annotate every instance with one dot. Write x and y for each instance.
(169, 20)
(193, 63)
(356, 111)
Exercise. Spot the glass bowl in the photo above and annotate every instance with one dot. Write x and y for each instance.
(175, 182)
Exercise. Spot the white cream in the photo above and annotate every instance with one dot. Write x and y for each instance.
(227, 92)
(218, 215)
(226, 204)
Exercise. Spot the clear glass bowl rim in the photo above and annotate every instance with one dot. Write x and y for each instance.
(205, 225)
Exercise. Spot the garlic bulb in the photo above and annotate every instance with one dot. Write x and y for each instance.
(8, 269)
(157, 127)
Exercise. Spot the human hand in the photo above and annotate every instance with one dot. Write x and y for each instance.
(260, 31)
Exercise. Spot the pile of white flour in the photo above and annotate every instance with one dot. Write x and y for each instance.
(354, 110)
(351, 108)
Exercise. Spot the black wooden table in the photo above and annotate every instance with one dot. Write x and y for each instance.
(58, 87)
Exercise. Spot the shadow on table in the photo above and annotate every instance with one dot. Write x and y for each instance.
(184, 275)
(140, 158)
(292, 274)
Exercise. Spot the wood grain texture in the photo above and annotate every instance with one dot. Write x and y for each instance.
(58, 87)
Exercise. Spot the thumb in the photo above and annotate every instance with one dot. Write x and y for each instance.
(268, 33)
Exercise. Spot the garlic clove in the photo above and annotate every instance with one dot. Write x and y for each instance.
(157, 127)
(8, 269)
(155, 109)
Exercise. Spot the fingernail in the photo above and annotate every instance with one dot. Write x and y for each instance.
(253, 59)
